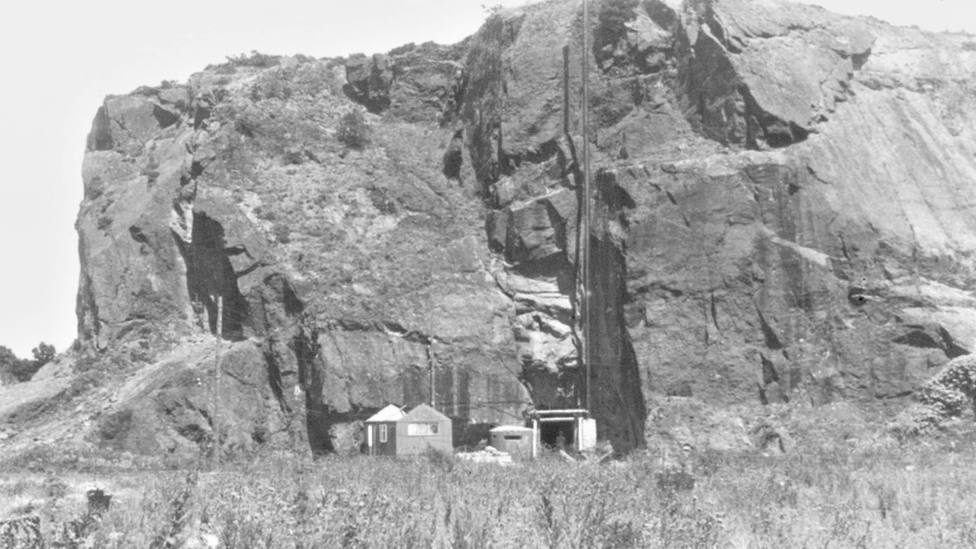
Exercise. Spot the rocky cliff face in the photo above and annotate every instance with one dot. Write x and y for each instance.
(783, 203)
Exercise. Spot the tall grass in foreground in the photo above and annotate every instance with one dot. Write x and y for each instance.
(836, 500)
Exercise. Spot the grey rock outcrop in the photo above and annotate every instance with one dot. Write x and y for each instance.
(783, 203)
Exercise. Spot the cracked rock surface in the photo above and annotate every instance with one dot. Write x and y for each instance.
(783, 206)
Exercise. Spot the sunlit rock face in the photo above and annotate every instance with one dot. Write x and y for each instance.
(782, 206)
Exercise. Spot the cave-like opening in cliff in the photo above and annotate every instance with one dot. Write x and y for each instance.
(209, 275)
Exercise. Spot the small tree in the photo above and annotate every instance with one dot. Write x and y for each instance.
(8, 362)
(43, 353)
(13, 369)
(353, 131)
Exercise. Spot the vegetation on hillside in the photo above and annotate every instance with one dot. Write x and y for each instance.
(16, 370)
(908, 496)
(353, 131)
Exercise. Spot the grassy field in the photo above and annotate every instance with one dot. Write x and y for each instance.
(914, 497)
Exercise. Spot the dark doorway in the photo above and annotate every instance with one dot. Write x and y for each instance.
(552, 433)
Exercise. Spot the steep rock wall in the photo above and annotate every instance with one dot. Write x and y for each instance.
(781, 213)
(361, 275)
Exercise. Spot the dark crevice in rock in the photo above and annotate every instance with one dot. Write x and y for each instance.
(389, 327)
(661, 13)
(719, 32)
(274, 375)
(369, 80)
(136, 233)
(714, 311)
(616, 389)
(612, 194)
(460, 89)
(859, 59)
(395, 328)
(537, 155)
(293, 305)
(707, 336)
(86, 309)
(209, 274)
(951, 348)
(764, 130)
(196, 169)
(454, 157)
(918, 338)
(164, 117)
(250, 268)
(769, 374)
(305, 346)
(191, 175)
(615, 383)
(202, 110)
(769, 336)
(554, 267)
(671, 198)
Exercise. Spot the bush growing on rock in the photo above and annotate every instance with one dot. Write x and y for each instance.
(353, 131)
(950, 390)
(13, 369)
(282, 233)
(256, 59)
(944, 396)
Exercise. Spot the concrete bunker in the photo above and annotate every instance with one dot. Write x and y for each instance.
(569, 429)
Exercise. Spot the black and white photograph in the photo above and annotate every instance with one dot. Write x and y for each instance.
(554, 274)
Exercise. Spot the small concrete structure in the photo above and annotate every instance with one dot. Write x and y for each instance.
(488, 455)
(562, 429)
(512, 439)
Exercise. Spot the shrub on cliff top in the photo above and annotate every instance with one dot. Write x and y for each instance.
(256, 59)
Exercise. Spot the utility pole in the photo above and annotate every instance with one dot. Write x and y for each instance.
(566, 89)
(430, 336)
(219, 334)
(585, 262)
(432, 360)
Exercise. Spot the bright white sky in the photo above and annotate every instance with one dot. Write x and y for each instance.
(61, 58)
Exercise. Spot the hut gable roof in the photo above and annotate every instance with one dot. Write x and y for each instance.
(390, 413)
(423, 412)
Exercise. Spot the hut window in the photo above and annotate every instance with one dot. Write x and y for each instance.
(421, 429)
(513, 437)
(382, 433)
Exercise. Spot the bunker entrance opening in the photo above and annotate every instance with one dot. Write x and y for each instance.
(558, 434)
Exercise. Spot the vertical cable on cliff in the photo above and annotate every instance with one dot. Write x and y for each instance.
(216, 407)
(585, 229)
